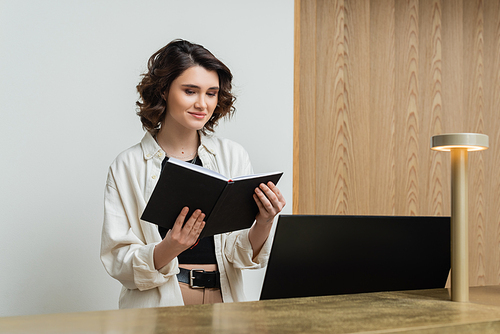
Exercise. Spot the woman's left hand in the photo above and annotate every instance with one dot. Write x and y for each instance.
(270, 202)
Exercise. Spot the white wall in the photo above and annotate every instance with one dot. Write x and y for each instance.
(68, 71)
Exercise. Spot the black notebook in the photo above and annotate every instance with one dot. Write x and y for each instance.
(227, 203)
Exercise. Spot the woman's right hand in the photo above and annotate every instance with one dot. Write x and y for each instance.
(179, 238)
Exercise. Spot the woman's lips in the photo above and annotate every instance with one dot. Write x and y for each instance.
(197, 115)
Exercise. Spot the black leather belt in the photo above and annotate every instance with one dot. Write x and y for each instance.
(199, 278)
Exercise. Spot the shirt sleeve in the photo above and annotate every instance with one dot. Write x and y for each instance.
(238, 251)
(125, 254)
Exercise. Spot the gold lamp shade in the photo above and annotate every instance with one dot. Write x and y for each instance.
(468, 141)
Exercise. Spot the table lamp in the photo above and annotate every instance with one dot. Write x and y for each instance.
(459, 144)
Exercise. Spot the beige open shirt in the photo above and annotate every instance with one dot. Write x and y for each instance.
(127, 242)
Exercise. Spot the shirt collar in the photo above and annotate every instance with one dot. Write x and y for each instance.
(208, 143)
(150, 147)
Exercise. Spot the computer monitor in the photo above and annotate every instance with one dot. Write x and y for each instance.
(315, 255)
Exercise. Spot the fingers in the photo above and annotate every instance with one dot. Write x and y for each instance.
(197, 225)
(180, 220)
(195, 233)
(259, 203)
(270, 198)
(275, 189)
(270, 202)
(184, 231)
(193, 220)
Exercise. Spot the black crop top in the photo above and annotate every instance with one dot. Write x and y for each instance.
(201, 253)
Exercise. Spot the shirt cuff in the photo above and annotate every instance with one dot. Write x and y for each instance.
(241, 255)
(146, 277)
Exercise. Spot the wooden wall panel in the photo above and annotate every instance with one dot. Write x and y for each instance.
(357, 103)
(492, 127)
(407, 111)
(305, 99)
(474, 122)
(332, 132)
(453, 65)
(382, 165)
(431, 188)
(374, 80)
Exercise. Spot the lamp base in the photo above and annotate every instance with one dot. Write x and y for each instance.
(459, 226)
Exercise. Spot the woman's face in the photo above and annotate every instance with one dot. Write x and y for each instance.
(192, 98)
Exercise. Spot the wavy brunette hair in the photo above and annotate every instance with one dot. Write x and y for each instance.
(165, 66)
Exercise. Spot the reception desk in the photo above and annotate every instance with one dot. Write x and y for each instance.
(423, 311)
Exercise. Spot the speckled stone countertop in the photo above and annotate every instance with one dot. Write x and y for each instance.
(423, 311)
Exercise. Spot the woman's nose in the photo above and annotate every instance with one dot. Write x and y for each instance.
(201, 103)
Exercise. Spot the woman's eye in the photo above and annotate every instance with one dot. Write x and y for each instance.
(189, 92)
(212, 93)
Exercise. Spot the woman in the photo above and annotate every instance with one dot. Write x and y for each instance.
(185, 92)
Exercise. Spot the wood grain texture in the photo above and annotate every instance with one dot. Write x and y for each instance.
(433, 187)
(305, 100)
(381, 138)
(357, 101)
(374, 81)
(332, 138)
(492, 127)
(407, 108)
(474, 122)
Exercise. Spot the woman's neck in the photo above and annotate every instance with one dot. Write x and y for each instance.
(181, 145)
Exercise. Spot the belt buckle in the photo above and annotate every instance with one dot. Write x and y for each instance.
(191, 278)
